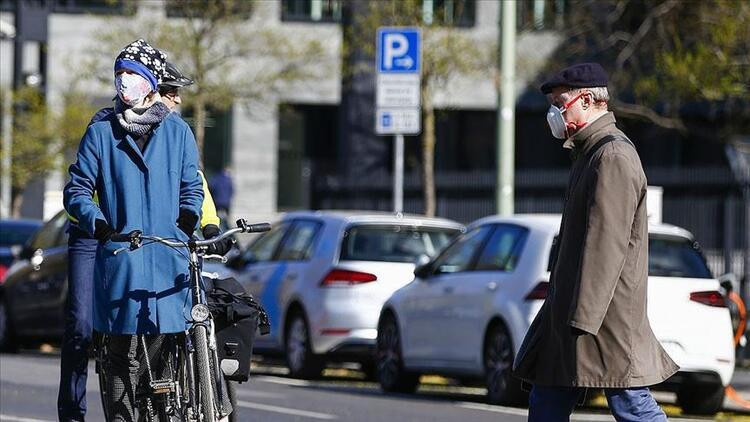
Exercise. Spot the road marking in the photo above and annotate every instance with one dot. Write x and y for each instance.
(496, 409)
(283, 381)
(253, 393)
(10, 418)
(285, 410)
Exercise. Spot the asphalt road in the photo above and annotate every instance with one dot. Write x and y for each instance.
(28, 393)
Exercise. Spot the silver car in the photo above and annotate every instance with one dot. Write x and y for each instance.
(323, 277)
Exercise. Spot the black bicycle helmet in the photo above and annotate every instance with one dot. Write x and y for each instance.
(174, 78)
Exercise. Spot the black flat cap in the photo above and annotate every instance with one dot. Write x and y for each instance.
(582, 75)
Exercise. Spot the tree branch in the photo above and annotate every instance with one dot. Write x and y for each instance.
(643, 30)
(645, 113)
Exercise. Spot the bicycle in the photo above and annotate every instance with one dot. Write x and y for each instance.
(192, 389)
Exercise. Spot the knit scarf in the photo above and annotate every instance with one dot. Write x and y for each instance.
(138, 121)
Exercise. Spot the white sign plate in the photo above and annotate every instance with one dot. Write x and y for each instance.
(397, 90)
(391, 121)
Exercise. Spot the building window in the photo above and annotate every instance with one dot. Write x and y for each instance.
(311, 10)
(115, 7)
(202, 8)
(537, 15)
(449, 12)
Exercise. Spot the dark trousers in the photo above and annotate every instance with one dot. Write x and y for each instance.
(555, 404)
(71, 399)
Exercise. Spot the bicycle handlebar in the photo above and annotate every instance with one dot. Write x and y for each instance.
(136, 237)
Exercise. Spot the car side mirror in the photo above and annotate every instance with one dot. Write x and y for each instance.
(16, 251)
(423, 271)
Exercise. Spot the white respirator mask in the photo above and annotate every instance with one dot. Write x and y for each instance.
(556, 121)
(132, 88)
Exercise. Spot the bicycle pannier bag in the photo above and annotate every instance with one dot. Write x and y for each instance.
(238, 318)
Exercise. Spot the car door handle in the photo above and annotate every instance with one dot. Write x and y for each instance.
(492, 286)
(448, 289)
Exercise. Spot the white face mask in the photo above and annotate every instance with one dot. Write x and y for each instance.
(556, 121)
(132, 88)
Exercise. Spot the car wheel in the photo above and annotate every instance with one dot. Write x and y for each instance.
(390, 364)
(370, 369)
(300, 359)
(502, 386)
(7, 343)
(704, 399)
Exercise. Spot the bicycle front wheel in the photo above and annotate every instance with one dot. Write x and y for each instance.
(205, 381)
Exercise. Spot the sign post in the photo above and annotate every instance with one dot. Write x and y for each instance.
(398, 64)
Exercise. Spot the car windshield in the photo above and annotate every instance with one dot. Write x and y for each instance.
(16, 234)
(393, 243)
(675, 257)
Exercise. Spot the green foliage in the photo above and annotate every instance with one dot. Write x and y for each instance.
(663, 54)
(42, 137)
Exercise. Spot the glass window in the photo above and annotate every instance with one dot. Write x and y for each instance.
(311, 10)
(48, 236)
(675, 257)
(503, 250)
(264, 248)
(204, 8)
(449, 12)
(393, 243)
(537, 15)
(95, 6)
(461, 255)
(298, 245)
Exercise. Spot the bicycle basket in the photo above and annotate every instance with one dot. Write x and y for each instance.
(237, 317)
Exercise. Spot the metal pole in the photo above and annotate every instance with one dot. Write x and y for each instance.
(5, 163)
(506, 110)
(398, 174)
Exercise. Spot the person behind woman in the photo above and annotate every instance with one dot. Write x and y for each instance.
(142, 161)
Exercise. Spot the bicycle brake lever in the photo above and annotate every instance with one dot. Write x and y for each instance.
(119, 250)
(223, 259)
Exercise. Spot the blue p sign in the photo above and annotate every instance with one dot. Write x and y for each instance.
(398, 50)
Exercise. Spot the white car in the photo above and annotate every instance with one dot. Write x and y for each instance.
(323, 277)
(467, 312)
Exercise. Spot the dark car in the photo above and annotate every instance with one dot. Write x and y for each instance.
(14, 234)
(33, 294)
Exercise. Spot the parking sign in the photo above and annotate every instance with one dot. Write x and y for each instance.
(397, 95)
(398, 50)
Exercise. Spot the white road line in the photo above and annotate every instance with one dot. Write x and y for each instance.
(10, 418)
(282, 381)
(496, 409)
(256, 394)
(285, 410)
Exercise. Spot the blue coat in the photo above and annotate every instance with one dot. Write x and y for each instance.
(145, 291)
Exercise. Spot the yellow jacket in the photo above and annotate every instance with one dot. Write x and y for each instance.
(208, 208)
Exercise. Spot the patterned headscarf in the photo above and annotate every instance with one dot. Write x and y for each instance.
(141, 58)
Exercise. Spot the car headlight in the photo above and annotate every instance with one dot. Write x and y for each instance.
(200, 313)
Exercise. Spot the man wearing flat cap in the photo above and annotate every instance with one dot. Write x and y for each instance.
(593, 329)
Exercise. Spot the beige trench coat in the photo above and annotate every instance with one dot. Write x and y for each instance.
(593, 330)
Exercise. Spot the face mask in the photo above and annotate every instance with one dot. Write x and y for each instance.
(132, 88)
(556, 121)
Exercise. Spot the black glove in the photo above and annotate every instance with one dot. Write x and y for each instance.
(187, 221)
(103, 231)
(218, 248)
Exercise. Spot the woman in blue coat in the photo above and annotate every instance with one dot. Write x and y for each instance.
(142, 161)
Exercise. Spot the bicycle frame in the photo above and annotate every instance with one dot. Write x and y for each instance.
(196, 395)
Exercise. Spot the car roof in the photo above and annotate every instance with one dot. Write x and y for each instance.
(349, 217)
(551, 223)
(20, 222)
